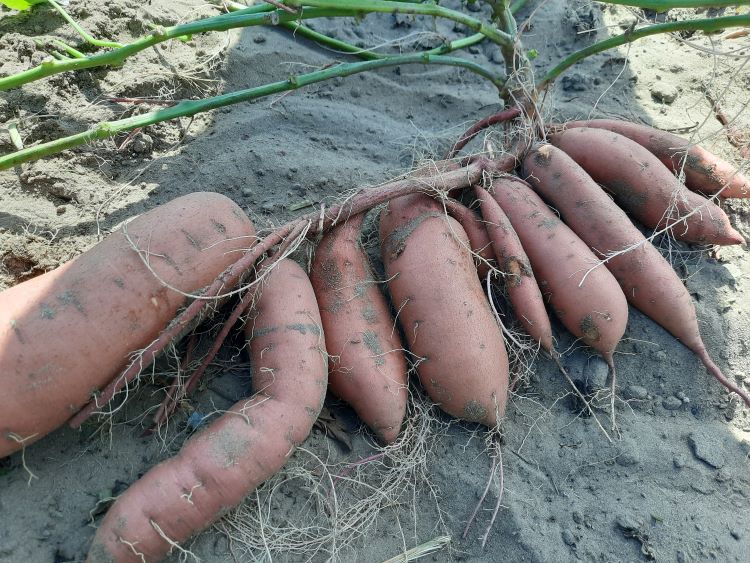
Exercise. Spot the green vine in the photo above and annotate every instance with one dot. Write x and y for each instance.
(706, 25)
(191, 107)
(294, 12)
(664, 5)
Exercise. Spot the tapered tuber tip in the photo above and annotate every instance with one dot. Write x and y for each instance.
(730, 237)
(714, 370)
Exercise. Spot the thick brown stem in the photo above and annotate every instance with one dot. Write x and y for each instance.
(471, 132)
(362, 201)
(172, 400)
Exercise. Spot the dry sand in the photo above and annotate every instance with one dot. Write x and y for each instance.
(674, 486)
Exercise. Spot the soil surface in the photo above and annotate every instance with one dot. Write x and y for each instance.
(673, 486)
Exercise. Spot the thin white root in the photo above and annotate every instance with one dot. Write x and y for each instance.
(184, 553)
(16, 438)
(497, 460)
(131, 545)
(421, 550)
(341, 502)
(556, 359)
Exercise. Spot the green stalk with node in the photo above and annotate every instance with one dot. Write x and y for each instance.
(502, 30)
(189, 108)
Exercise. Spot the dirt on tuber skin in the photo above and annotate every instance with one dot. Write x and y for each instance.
(626, 168)
(367, 366)
(460, 355)
(586, 298)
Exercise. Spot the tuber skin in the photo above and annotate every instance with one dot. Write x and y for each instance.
(94, 311)
(447, 321)
(218, 467)
(645, 188)
(367, 366)
(704, 171)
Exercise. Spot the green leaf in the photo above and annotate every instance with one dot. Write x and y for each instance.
(532, 54)
(20, 4)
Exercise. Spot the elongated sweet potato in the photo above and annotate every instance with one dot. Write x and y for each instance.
(93, 312)
(443, 311)
(704, 171)
(648, 281)
(217, 468)
(479, 240)
(367, 367)
(520, 284)
(644, 187)
(596, 310)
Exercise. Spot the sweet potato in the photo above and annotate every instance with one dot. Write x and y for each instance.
(367, 367)
(643, 186)
(521, 286)
(462, 362)
(648, 281)
(217, 468)
(479, 240)
(704, 172)
(93, 312)
(594, 311)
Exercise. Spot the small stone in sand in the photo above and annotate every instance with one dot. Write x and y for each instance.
(665, 93)
(671, 403)
(707, 449)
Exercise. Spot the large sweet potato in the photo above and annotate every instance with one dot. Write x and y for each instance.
(367, 367)
(704, 171)
(644, 187)
(67, 333)
(450, 329)
(245, 446)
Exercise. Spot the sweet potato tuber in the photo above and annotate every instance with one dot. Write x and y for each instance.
(93, 312)
(479, 240)
(250, 442)
(648, 281)
(521, 286)
(367, 367)
(462, 362)
(644, 187)
(704, 172)
(594, 309)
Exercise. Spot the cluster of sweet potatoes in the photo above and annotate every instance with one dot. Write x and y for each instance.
(335, 328)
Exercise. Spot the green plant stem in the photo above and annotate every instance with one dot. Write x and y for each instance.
(517, 5)
(335, 44)
(344, 47)
(256, 15)
(244, 18)
(82, 32)
(664, 5)
(68, 49)
(706, 25)
(304, 31)
(389, 7)
(191, 107)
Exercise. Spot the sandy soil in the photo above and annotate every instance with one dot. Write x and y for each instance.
(674, 486)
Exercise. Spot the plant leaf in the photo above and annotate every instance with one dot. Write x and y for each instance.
(18, 4)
